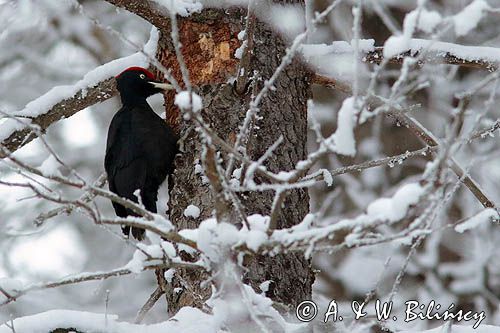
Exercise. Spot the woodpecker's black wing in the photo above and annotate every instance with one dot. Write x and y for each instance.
(139, 154)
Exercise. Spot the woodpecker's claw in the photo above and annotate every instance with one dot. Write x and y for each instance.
(164, 86)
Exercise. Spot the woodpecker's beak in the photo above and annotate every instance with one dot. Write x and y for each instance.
(163, 86)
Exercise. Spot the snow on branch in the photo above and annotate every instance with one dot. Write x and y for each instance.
(397, 48)
(17, 131)
(64, 101)
(425, 136)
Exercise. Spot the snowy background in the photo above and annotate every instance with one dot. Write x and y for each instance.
(46, 43)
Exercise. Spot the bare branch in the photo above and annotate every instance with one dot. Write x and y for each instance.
(67, 209)
(248, 45)
(87, 277)
(155, 296)
(171, 236)
(222, 205)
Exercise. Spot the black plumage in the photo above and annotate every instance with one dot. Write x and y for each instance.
(141, 147)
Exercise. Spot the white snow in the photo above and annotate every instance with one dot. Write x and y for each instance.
(327, 177)
(183, 101)
(255, 238)
(208, 240)
(337, 47)
(418, 19)
(169, 275)
(152, 44)
(163, 198)
(258, 222)
(264, 286)
(212, 237)
(188, 320)
(397, 45)
(185, 248)
(9, 125)
(427, 21)
(288, 19)
(343, 139)
(168, 249)
(192, 211)
(335, 59)
(238, 54)
(469, 17)
(237, 173)
(136, 264)
(385, 209)
(395, 208)
(483, 217)
(154, 250)
(181, 7)
(50, 167)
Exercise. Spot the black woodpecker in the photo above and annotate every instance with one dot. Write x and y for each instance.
(141, 147)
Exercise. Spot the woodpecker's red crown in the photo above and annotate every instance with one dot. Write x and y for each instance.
(139, 69)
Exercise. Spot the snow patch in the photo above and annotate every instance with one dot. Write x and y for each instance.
(163, 198)
(181, 7)
(192, 211)
(136, 265)
(50, 167)
(288, 19)
(168, 249)
(469, 17)
(337, 47)
(169, 275)
(397, 44)
(188, 319)
(427, 21)
(183, 101)
(343, 138)
(395, 208)
(483, 217)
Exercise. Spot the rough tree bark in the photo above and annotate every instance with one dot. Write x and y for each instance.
(209, 42)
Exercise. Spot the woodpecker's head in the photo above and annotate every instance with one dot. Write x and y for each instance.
(139, 83)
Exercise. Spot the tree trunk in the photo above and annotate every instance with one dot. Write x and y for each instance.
(209, 41)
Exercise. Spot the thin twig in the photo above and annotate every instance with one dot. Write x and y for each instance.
(155, 296)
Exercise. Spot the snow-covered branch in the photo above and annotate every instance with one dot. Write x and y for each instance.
(397, 49)
(375, 102)
(56, 105)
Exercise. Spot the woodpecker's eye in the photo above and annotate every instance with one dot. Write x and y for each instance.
(142, 76)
